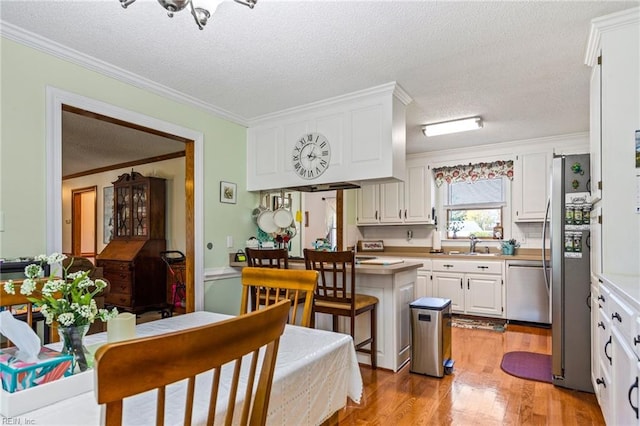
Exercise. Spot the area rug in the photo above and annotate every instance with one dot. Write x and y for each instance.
(527, 365)
(479, 323)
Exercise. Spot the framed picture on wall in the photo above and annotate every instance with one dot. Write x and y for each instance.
(227, 192)
(107, 214)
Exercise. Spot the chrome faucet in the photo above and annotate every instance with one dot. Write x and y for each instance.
(473, 240)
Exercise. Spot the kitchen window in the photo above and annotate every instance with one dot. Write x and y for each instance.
(475, 207)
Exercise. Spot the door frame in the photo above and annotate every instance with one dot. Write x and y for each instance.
(76, 220)
(194, 179)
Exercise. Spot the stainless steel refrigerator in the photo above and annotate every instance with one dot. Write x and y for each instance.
(568, 230)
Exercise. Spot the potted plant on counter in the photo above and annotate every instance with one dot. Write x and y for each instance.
(509, 247)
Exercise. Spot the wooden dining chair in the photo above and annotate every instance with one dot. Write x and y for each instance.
(272, 285)
(131, 367)
(7, 301)
(336, 294)
(267, 258)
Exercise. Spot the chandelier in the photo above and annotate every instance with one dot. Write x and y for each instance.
(200, 14)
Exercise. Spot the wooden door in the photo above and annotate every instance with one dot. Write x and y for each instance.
(83, 222)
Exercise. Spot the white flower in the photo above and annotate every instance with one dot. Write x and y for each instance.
(106, 315)
(67, 301)
(28, 286)
(33, 271)
(56, 258)
(66, 319)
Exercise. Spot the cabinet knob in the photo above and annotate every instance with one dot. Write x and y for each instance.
(636, 340)
(617, 316)
(601, 324)
(483, 267)
(601, 382)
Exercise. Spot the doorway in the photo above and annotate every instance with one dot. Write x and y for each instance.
(84, 222)
(194, 177)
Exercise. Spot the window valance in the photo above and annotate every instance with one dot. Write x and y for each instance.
(473, 172)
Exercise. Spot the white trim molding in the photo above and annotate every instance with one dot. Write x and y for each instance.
(221, 273)
(55, 99)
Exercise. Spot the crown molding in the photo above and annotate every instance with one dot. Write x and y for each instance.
(607, 23)
(391, 88)
(50, 47)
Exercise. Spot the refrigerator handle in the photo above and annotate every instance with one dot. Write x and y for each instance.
(544, 235)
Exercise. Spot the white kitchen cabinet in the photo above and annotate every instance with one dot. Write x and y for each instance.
(424, 282)
(365, 130)
(419, 193)
(392, 203)
(367, 204)
(613, 52)
(531, 186)
(450, 285)
(618, 356)
(483, 295)
(398, 203)
(474, 287)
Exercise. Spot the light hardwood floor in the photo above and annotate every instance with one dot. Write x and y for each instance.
(477, 393)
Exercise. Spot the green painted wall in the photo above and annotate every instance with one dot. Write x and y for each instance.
(25, 73)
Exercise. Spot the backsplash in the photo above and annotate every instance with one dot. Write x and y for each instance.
(529, 235)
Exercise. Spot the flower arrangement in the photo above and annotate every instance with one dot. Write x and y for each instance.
(510, 243)
(509, 246)
(66, 301)
(454, 227)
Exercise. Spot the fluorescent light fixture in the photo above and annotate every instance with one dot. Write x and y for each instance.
(452, 126)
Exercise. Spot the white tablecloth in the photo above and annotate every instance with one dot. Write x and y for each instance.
(315, 373)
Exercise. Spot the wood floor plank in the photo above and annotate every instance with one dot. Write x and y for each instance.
(477, 393)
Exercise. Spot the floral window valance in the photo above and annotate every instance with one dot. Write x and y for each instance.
(473, 172)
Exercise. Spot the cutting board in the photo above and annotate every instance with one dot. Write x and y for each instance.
(381, 261)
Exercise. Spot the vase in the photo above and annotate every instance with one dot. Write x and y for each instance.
(72, 339)
(508, 250)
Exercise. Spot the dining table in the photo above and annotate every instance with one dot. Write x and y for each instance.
(316, 373)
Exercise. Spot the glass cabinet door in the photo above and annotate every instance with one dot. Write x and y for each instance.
(123, 213)
(139, 210)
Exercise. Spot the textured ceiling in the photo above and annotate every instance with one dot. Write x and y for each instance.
(520, 65)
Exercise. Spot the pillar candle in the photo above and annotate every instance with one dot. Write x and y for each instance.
(122, 327)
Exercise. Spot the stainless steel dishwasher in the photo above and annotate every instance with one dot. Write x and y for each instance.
(527, 294)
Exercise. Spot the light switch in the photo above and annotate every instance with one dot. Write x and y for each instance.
(229, 241)
(1, 221)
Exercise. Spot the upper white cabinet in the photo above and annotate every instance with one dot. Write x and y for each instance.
(614, 53)
(531, 186)
(418, 193)
(365, 135)
(368, 204)
(398, 202)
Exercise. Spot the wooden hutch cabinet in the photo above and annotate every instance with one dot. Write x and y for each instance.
(132, 261)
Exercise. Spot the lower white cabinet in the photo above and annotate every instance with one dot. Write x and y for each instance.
(474, 287)
(616, 363)
(424, 282)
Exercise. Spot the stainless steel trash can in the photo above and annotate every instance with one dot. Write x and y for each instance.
(431, 336)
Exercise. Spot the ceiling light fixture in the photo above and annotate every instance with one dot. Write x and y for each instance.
(452, 126)
(200, 14)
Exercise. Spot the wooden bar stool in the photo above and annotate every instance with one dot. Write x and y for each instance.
(336, 294)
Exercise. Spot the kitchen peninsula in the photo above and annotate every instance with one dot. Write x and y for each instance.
(393, 285)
